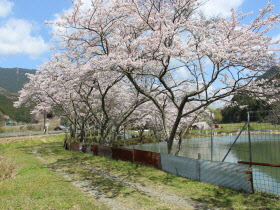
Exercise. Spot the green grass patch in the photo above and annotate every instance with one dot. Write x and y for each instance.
(213, 196)
(121, 142)
(24, 128)
(37, 187)
(231, 128)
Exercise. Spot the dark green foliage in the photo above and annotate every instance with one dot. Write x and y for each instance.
(217, 115)
(64, 121)
(13, 81)
(273, 72)
(21, 114)
(1, 120)
(236, 114)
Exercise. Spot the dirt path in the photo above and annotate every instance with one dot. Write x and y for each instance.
(151, 191)
(84, 186)
(162, 199)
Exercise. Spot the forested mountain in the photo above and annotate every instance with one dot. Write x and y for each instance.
(273, 72)
(21, 114)
(236, 114)
(11, 81)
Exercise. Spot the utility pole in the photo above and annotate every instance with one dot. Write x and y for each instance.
(45, 130)
(17, 74)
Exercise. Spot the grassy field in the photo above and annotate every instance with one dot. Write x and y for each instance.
(24, 128)
(229, 128)
(39, 174)
(34, 186)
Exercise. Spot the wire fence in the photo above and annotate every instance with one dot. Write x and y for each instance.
(255, 142)
(28, 133)
(232, 175)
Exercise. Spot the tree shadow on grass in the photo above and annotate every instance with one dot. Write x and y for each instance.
(67, 164)
(223, 197)
(103, 185)
(131, 172)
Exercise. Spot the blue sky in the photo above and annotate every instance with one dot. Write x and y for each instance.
(25, 39)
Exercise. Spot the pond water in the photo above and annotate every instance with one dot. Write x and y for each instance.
(265, 149)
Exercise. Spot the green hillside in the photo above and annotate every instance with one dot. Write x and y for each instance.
(236, 114)
(273, 72)
(13, 79)
(21, 114)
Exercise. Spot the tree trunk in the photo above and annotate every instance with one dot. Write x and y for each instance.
(115, 135)
(73, 132)
(141, 135)
(179, 145)
(82, 133)
(174, 129)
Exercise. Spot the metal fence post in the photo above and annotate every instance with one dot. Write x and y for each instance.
(250, 147)
(249, 136)
(243, 128)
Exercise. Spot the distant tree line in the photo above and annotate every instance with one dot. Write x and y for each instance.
(21, 114)
(245, 102)
(12, 79)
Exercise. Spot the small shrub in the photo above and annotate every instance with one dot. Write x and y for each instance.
(29, 127)
(33, 128)
(8, 169)
(134, 141)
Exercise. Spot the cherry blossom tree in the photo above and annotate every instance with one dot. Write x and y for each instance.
(51, 88)
(84, 95)
(167, 48)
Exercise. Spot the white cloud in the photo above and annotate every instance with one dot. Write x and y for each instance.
(220, 7)
(16, 38)
(5, 8)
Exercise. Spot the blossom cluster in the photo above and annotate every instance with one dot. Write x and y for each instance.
(154, 59)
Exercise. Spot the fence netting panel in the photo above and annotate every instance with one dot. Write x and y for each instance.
(255, 140)
(265, 146)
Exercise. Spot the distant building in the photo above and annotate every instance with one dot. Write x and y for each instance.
(201, 125)
(9, 122)
(215, 125)
(60, 128)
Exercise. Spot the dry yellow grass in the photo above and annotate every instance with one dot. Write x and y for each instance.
(8, 169)
(26, 138)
